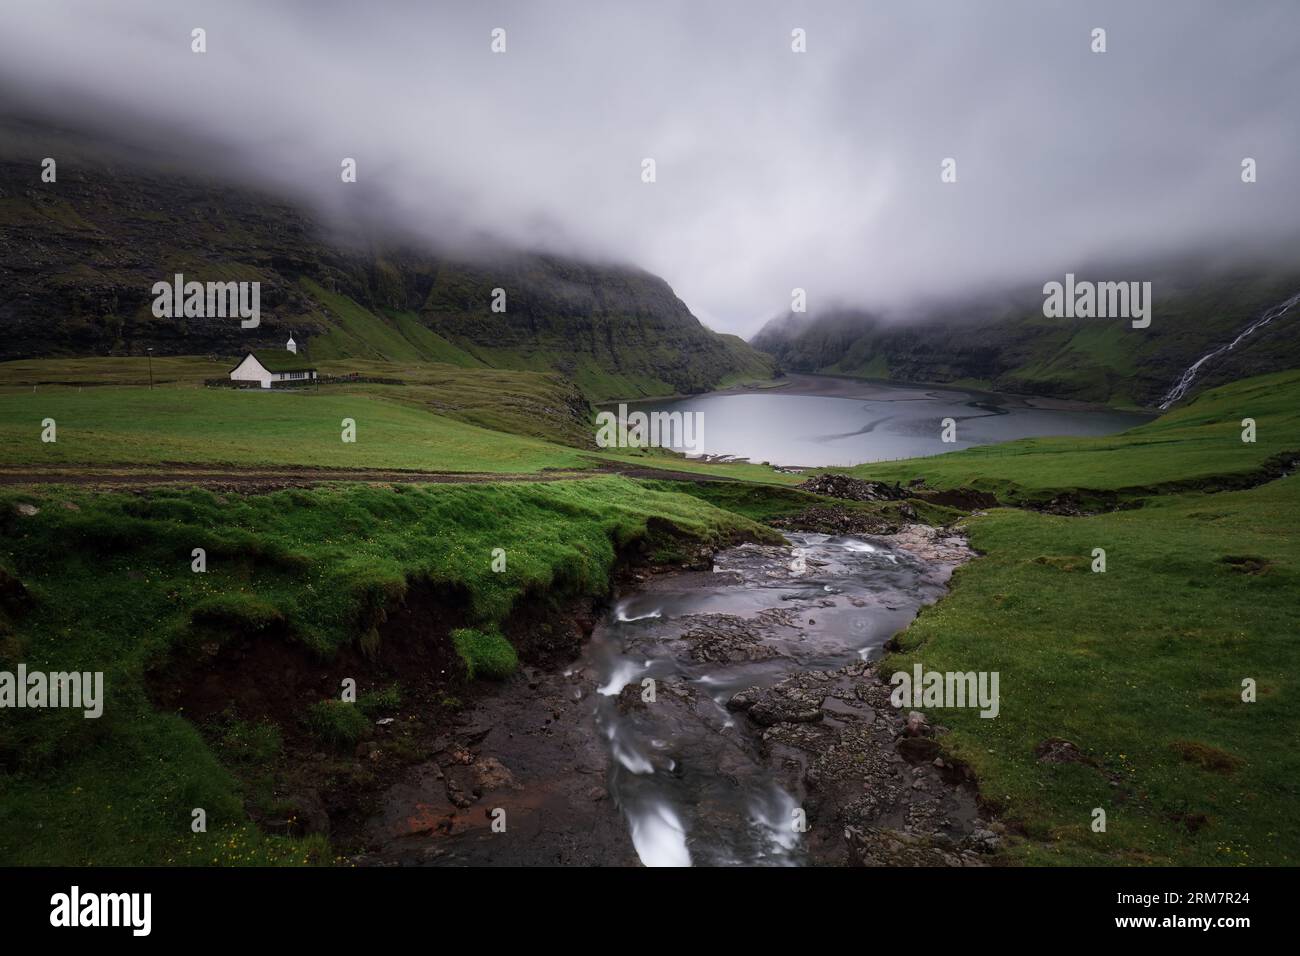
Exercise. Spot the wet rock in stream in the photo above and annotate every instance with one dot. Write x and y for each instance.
(786, 702)
(872, 791)
(727, 639)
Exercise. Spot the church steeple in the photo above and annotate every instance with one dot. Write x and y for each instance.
(291, 345)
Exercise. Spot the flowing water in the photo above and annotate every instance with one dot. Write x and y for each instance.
(687, 773)
(631, 754)
(1189, 376)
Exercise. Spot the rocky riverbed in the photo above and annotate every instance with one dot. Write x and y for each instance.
(731, 716)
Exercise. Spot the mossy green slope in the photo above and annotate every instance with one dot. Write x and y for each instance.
(356, 332)
(1010, 346)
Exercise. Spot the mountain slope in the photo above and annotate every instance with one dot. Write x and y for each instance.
(79, 257)
(1009, 345)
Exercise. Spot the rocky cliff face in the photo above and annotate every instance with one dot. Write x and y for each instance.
(1007, 344)
(617, 331)
(79, 258)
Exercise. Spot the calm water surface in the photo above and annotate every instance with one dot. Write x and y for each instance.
(850, 423)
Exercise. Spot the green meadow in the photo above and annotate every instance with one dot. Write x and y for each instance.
(134, 426)
(1141, 667)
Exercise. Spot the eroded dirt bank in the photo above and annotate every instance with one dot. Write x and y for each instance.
(231, 686)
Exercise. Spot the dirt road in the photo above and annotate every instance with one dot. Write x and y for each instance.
(261, 479)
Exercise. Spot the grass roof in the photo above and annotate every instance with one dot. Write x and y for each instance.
(282, 361)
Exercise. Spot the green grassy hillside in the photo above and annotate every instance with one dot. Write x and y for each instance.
(1011, 347)
(355, 332)
(81, 256)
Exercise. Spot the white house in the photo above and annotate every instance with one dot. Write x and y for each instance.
(268, 368)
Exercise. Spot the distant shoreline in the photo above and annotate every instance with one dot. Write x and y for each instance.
(843, 386)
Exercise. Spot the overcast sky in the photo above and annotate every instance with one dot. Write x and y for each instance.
(774, 169)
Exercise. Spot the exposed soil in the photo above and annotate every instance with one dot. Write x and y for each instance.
(853, 489)
(269, 677)
(527, 749)
(964, 499)
(830, 519)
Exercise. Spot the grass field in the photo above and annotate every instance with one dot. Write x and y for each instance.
(107, 426)
(1140, 667)
(534, 404)
(188, 371)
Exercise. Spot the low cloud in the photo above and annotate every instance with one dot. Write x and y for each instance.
(774, 169)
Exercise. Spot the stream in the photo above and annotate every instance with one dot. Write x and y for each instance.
(687, 777)
(708, 712)
(1184, 383)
